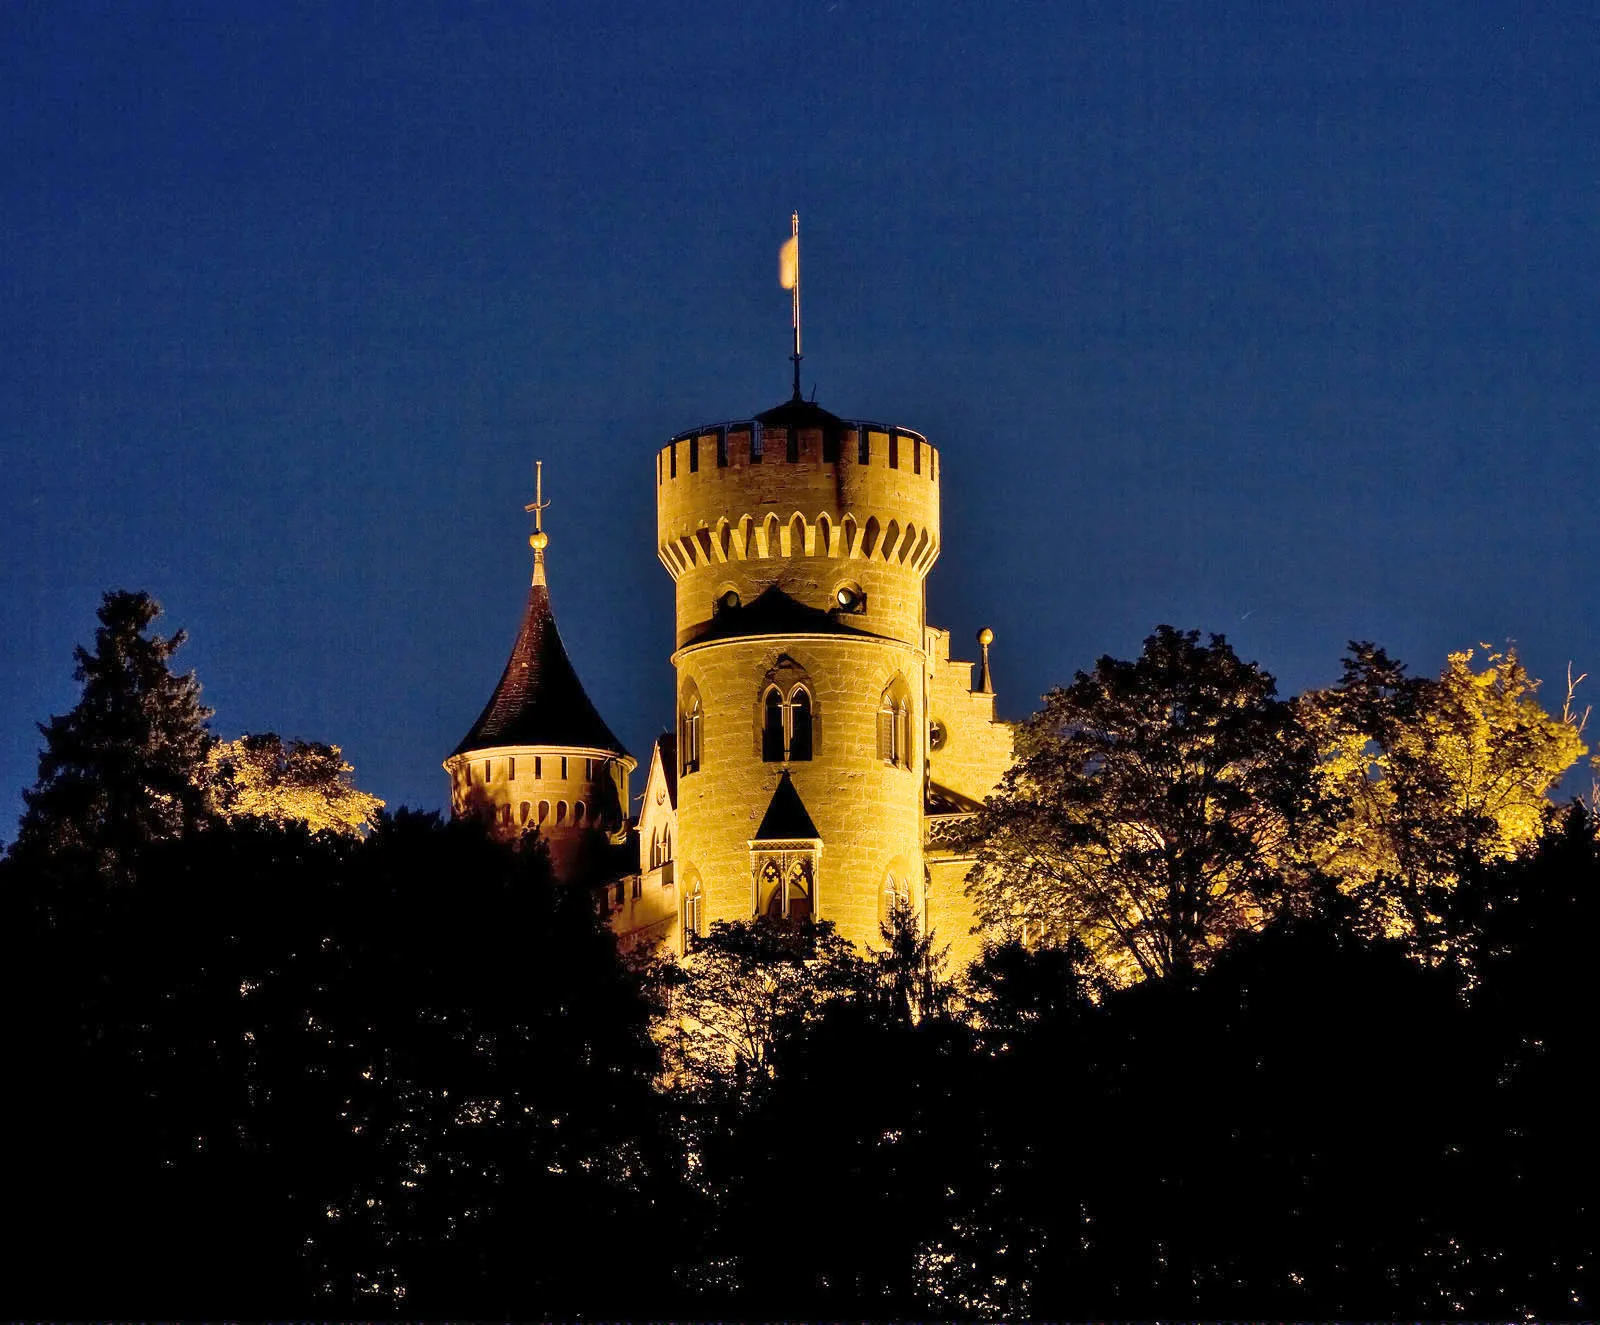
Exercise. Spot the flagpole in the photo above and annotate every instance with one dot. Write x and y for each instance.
(794, 233)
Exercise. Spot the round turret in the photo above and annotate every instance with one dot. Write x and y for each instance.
(798, 543)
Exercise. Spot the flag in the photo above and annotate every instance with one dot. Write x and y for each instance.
(789, 263)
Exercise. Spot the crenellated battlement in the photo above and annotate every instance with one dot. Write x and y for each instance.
(793, 484)
(748, 442)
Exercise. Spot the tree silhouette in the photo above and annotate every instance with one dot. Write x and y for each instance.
(127, 764)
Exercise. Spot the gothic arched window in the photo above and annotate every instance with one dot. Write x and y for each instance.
(694, 919)
(894, 724)
(799, 724)
(772, 733)
(689, 723)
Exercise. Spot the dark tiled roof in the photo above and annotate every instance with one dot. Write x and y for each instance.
(774, 613)
(786, 817)
(540, 700)
(801, 414)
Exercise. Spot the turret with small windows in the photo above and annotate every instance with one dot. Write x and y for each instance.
(540, 756)
(799, 543)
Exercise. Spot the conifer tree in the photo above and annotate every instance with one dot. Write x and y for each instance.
(127, 765)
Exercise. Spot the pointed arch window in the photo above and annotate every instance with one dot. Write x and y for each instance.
(772, 721)
(690, 721)
(799, 724)
(894, 724)
(785, 888)
(694, 917)
(788, 724)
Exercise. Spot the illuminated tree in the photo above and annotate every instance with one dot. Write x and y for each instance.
(1437, 775)
(298, 782)
(127, 765)
(1153, 809)
(747, 983)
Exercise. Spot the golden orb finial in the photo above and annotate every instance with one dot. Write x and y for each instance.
(538, 540)
(985, 681)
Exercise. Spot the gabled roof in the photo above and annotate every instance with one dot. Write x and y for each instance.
(786, 818)
(540, 700)
(667, 742)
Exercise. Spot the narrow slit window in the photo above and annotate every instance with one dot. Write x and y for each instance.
(894, 450)
(673, 448)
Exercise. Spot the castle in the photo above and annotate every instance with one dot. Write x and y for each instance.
(825, 741)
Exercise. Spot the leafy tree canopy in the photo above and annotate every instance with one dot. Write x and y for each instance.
(1153, 810)
(1435, 775)
(289, 782)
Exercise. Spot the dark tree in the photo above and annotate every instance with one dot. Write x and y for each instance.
(127, 765)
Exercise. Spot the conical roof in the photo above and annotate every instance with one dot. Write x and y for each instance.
(540, 700)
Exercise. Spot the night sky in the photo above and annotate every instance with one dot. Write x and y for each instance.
(1277, 321)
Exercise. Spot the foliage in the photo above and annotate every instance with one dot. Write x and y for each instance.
(1153, 810)
(1436, 775)
(127, 765)
(331, 1074)
(907, 974)
(744, 985)
(295, 782)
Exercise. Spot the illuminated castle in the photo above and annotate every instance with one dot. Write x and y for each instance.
(825, 742)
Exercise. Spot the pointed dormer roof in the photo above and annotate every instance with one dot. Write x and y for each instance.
(540, 700)
(786, 819)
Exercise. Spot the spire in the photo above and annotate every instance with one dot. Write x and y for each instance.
(540, 700)
(538, 540)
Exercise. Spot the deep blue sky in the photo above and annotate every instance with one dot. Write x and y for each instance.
(1279, 321)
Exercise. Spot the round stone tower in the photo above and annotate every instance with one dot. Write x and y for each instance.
(799, 543)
